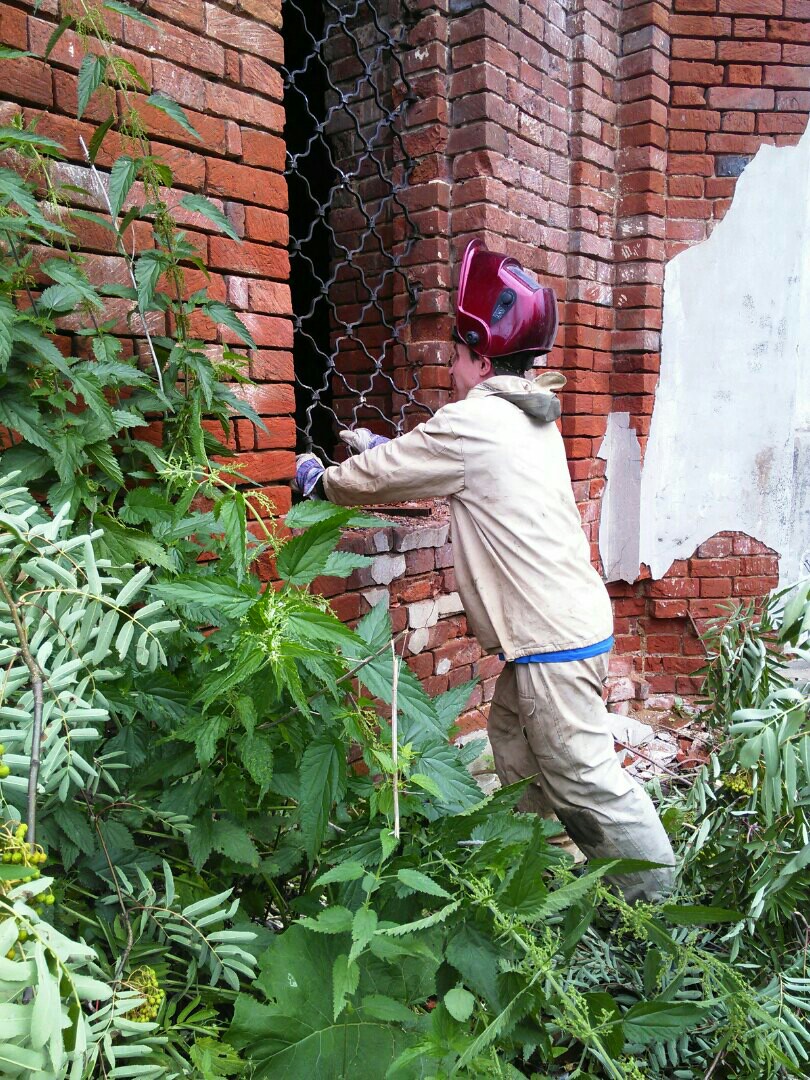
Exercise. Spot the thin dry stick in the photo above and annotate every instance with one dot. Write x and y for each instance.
(395, 737)
(639, 753)
(718, 1058)
(36, 732)
(105, 195)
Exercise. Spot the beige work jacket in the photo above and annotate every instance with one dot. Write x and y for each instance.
(522, 560)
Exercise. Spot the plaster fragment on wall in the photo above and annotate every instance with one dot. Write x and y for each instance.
(619, 518)
(733, 402)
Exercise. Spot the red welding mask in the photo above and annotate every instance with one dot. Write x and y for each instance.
(500, 308)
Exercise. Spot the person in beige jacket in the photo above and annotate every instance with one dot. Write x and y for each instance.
(522, 564)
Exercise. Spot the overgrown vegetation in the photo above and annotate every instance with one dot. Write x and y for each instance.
(195, 881)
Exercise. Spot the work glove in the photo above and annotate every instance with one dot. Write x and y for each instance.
(308, 471)
(361, 439)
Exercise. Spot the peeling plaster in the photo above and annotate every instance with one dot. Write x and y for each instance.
(729, 444)
(620, 513)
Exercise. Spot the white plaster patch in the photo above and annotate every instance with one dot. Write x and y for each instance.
(619, 518)
(732, 408)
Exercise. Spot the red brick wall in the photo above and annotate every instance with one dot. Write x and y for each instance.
(220, 62)
(592, 139)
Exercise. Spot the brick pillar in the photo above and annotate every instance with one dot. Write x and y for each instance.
(592, 30)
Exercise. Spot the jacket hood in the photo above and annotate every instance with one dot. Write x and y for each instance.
(535, 397)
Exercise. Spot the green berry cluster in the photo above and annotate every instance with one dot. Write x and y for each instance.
(16, 850)
(739, 782)
(4, 769)
(144, 980)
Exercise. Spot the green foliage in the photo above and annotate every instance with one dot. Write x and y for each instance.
(748, 844)
(208, 765)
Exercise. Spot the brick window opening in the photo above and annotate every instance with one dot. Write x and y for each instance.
(350, 229)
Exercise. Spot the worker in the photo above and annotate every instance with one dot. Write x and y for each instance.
(522, 563)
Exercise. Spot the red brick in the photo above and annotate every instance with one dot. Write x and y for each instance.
(668, 609)
(246, 35)
(751, 7)
(271, 366)
(269, 399)
(263, 149)
(753, 52)
(696, 73)
(190, 13)
(760, 565)
(782, 30)
(745, 74)
(674, 587)
(699, 26)
(726, 567)
(728, 97)
(715, 587)
(257, 259)
(463, 651)
(716, 548)
(412, 590)
(28, 79)
(346, 606)
(787, 76)
(268, 11)
(13, 31)
(163, 39)
(262, 466)
(663, 643)
(266, 226)
(247, 184)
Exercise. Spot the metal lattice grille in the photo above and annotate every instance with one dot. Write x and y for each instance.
(350, 230)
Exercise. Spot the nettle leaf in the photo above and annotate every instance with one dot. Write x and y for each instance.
(206, 599)
(323, 777)
(226, 316)
(304, 557)
(198, 204)
(450, 704)
(145, 504)
(348, 871)
(122, 177)
(128, 11)
(97, 139)
(375, 627)
(91, 75)
(148, 268)
(415, 879)
(174, 111)
(699, 915)
(459, 1003)
(295, 1033)
(304, 514)
(204, 732)
(314, 625)
(66, 22)
(231, 512)
(256, 752)
(8, 314)
(341, 563)
(651, 1021)
(232, 840)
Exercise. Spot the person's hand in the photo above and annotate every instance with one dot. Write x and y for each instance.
(308, 471)
(361, 439)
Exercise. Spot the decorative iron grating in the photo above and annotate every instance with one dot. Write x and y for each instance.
(350, 229)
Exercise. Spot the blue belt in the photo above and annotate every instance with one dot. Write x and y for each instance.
(584, 653)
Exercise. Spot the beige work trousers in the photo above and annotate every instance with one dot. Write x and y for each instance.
(549, 721)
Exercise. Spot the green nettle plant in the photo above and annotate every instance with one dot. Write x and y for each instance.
(235, 837)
